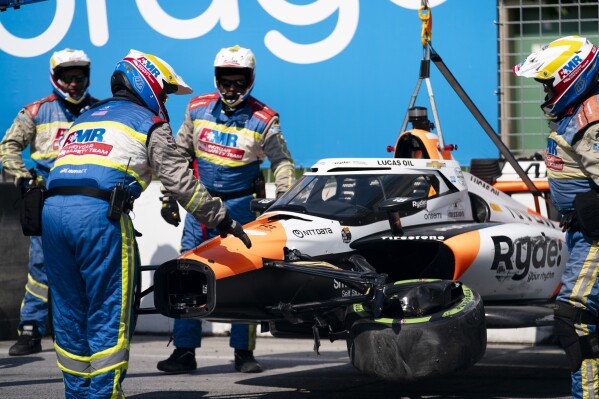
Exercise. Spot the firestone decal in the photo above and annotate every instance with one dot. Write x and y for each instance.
(513, 259)
(412, 238)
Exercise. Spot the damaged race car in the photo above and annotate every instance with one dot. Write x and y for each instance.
(409, 259)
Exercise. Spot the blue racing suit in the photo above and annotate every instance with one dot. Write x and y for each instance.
(227, 149)
(40, 125)
(91, 259)
(573, 167)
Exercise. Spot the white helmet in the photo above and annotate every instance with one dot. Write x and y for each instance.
(65, 59)
(233, 60)
(149, 78)
(567, 67)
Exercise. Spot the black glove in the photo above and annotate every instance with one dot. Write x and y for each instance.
(230, 226)
(25, 183)
(170, 210)
(569, 222)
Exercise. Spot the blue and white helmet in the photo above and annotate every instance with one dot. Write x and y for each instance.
(150, 79)
(65, 59)
(567, 67)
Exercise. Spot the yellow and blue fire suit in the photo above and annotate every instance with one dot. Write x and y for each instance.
(227, 149)
(40, 125)
(572, 160)
(91, 260)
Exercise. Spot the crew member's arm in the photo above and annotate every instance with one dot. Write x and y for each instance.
(184, 138)
(173, 171)
(281, 163)
(177, 178)
(17, 138)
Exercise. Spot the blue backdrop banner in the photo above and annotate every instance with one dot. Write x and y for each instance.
(341, 73)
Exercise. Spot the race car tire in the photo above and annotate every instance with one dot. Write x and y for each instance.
(414, 348)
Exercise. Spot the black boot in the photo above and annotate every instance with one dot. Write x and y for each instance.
(245, 362)
(182, 360)
(29, 342)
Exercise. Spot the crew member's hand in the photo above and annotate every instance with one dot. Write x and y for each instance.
(170, 210)
(230, 226)
(569, 222)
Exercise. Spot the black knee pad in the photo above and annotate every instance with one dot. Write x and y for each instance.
(577, 348)
(568, 339)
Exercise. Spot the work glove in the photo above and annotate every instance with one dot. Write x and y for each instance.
(27, 183)
(230, 226)
(569, 222)
(170, 209)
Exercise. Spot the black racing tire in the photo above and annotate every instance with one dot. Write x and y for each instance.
(414, 348)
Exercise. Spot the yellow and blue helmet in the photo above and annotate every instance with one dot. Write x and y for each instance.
(566, 67)
(149, 78)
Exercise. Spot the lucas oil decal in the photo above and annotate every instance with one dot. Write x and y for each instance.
(86, 142)
(526, 258)
(221, 144)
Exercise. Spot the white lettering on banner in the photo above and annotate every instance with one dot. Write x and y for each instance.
(227, 11)
(224, 11)
(342, 35)
(98, 22)
(32, 47)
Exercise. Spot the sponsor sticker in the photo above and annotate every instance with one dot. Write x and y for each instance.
(312, 232)
(413, 238)
(526, 258)
(346, 235)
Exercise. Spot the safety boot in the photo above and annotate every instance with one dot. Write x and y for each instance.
(182, 360)
(28, 343)
(245, 362)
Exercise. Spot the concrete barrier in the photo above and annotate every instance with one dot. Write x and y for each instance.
(14, 253)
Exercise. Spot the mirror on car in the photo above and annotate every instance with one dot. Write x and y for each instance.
(261, 204)
(396, 204)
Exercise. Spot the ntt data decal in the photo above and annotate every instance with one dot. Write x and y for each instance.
(223, 12)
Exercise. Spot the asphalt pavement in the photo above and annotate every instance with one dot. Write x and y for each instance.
(292, 370)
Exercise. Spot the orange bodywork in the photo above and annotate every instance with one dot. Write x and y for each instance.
(431, 146)
(465, 248)
(228, 256)
(511, 187)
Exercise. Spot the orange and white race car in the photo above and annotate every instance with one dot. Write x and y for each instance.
(409, 259)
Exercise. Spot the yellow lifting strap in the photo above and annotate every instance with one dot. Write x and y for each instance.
(426, 16)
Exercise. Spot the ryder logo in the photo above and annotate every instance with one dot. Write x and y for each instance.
(530, 258)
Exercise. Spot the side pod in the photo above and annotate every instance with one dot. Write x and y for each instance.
(184, 289)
